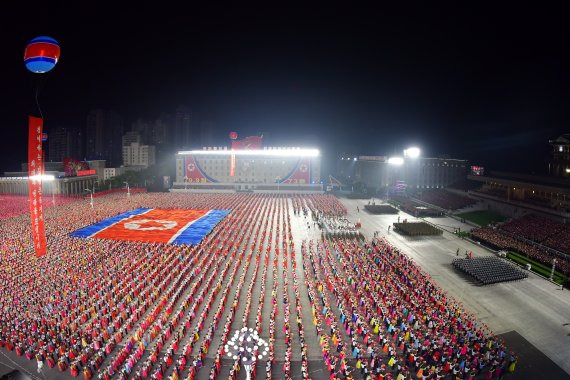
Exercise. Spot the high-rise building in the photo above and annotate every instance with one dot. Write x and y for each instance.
(143, 128)
(559, 164)
(207, 128)
(114, 129)
(131, 137)
(159, 132)
(94, 135)
(103, 136)
(183, 128)
(135, 153)
(65, 142)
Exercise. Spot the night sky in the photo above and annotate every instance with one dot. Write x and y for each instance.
(479, 82)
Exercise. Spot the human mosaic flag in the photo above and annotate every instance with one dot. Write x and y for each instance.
(169, 226)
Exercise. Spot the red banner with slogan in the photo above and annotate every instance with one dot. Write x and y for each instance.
(232, 164)
(35, 172)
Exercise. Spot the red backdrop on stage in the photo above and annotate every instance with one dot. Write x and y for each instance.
(35, 171)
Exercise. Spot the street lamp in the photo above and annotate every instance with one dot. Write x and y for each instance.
(247, 346)
(128, 189)
(90, 192)
(278, 179)
(553, 268)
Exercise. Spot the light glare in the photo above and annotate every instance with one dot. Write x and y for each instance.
(44, 177)
(396, 160)
(256, 152)
(412, 152)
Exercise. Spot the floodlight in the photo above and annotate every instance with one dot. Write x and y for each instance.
(413, 152)
(396, 160)
(42, 177)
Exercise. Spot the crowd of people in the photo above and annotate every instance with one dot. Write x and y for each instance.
(417, 229)
(499, 240)
(116, 309)
(542, 230)
(15, 205)
(415, 208)
(446, 199)
(378, 315)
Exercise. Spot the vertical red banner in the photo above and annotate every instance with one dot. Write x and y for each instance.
(35, 173)
(232, 164)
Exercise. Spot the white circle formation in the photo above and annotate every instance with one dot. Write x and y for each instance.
(139, 225)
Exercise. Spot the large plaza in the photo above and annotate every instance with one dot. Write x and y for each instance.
(104, 306)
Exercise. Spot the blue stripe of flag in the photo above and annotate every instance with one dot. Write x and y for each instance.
(97, 227)
(201, 227)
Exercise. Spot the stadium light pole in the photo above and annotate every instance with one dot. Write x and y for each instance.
(412, 152)
(90, 192)
(278, 179)
(128, 189)
(552, 271)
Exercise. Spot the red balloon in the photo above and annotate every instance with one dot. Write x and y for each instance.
(233, 135)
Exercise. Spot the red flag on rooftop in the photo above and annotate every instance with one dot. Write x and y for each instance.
(251, 142)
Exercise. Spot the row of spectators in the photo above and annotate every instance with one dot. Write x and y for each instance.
(414, 208)
(446, 199)
(499, 240)
(542, 230)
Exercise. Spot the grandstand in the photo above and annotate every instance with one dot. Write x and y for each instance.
(446, 199)
(546, 195)
(414, 208)
(501, 240)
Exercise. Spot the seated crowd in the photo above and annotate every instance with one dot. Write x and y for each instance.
(499, 240)
(542, 230)
(446, 200)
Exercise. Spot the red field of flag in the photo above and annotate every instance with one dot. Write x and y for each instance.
(157, 225)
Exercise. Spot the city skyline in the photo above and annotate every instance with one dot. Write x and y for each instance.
(486, 86)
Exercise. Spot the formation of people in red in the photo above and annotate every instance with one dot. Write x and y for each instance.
(105, 308)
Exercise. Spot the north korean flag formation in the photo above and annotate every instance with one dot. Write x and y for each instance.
(170, 226)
